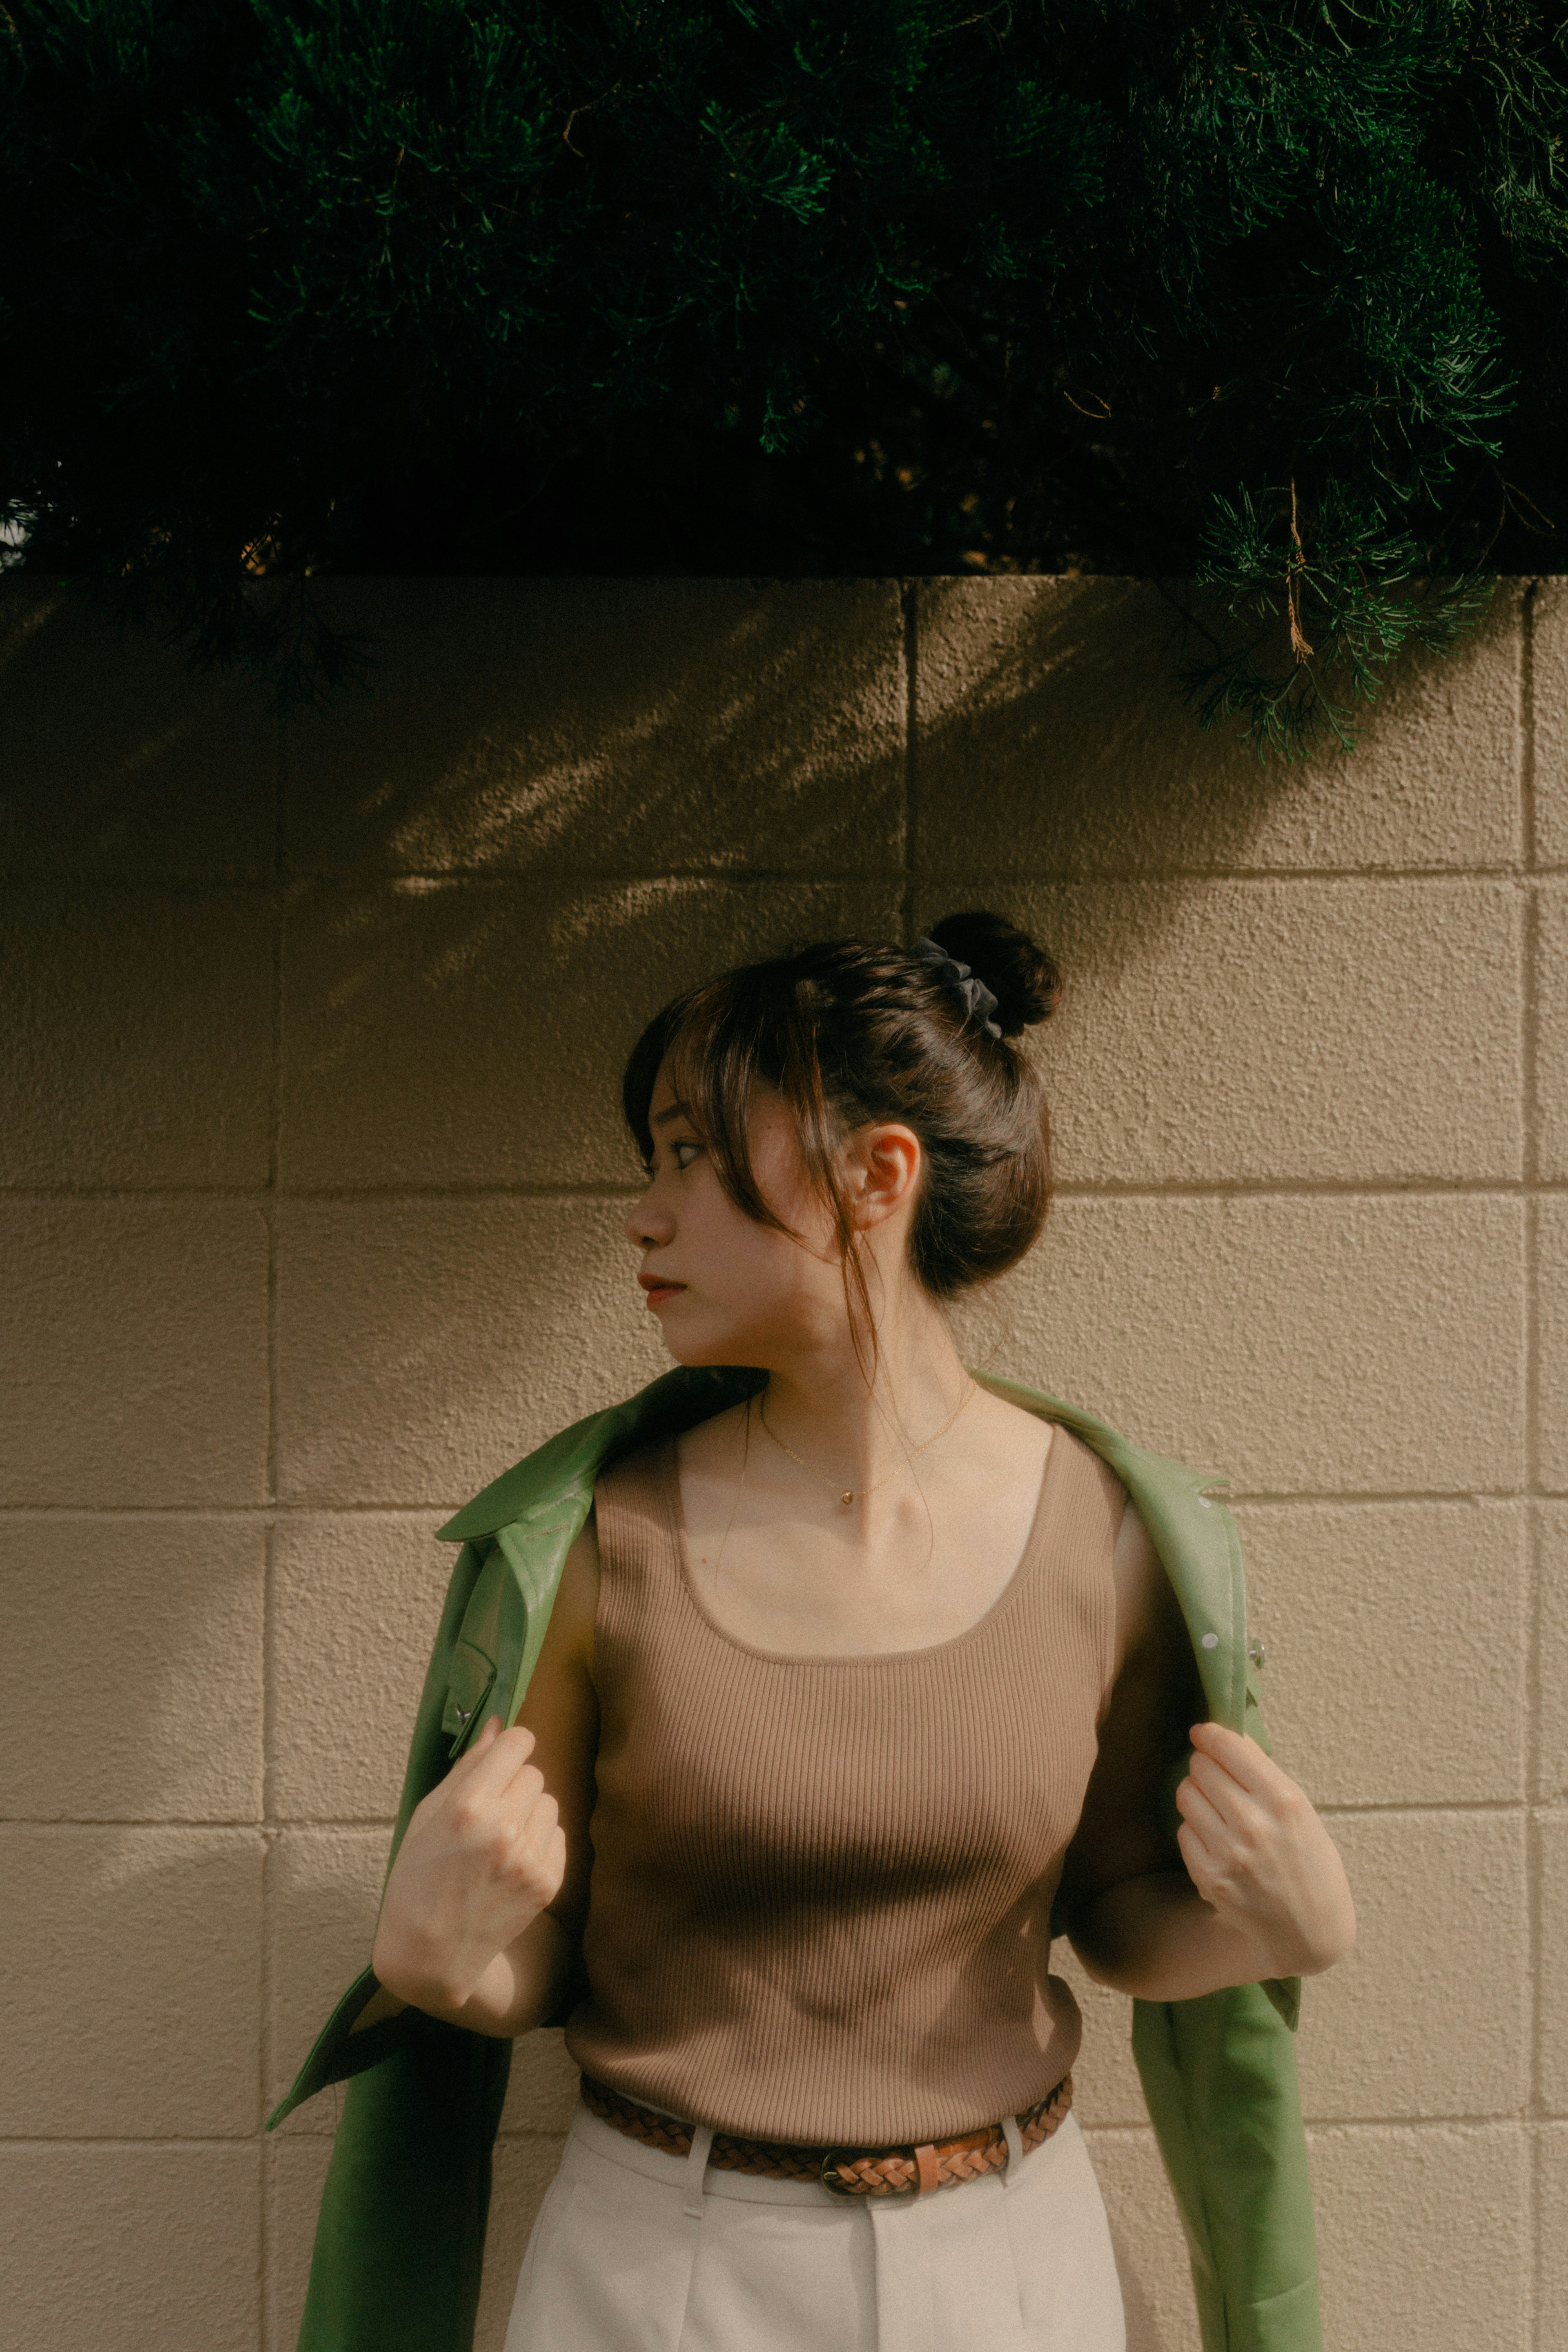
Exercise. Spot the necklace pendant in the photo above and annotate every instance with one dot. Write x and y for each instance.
(847, 1497)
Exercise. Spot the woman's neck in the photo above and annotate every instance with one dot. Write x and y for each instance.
(819, 1402)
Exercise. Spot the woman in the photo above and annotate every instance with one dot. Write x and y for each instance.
(847, 1690)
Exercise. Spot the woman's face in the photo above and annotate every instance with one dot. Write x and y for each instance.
(726, 1290)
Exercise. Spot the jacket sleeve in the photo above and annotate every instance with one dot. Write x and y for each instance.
(338, 2051)
(401, 2235)
(1220, 2082)
(1219, 2077)
(399, 2238)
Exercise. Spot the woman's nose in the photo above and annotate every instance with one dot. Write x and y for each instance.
(647, 1224)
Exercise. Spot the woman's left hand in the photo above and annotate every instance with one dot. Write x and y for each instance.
(1255, 1851)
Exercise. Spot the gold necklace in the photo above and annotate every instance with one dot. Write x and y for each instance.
(846, 1494)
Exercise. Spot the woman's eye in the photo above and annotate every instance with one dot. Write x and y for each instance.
(683, 1149)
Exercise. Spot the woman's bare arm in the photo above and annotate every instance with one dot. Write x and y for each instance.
(486, 1901)
(1253, 1887)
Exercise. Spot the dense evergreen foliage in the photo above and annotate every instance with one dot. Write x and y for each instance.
(1264, 297)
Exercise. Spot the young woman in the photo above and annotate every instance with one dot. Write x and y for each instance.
(847, 1693)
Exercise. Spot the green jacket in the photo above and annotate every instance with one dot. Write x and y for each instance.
(400, 2237)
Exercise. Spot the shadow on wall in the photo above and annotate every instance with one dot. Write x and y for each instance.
(608, 727)
(642, 728)
(561, 801)
(591, 726)
(118, 761)
(1051, 745)
(647, 728)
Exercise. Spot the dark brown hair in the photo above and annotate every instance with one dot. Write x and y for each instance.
(853, 1031)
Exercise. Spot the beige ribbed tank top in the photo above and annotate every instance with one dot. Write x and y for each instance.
(820, 1886)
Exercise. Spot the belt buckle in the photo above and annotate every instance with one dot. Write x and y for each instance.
(832, 2157)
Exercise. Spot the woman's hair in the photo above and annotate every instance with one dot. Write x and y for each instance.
(854, 1031)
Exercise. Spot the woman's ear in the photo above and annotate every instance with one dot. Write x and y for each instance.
(884, 1171)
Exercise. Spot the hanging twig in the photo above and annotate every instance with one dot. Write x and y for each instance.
(1297, 565)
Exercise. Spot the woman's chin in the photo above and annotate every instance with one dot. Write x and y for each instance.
(696, 1346)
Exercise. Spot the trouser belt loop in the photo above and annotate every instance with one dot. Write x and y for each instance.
(926, 2176)
(697, 2166)
(1014, 2138)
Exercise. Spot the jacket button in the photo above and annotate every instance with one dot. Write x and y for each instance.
(1211, 1641)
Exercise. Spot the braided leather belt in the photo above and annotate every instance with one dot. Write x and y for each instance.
(847, 2171)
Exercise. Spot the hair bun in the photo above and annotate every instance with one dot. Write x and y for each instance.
(1023, 978)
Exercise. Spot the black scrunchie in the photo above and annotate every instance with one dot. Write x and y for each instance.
(977, 996)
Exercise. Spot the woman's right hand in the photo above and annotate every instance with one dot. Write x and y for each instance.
(483, 1855)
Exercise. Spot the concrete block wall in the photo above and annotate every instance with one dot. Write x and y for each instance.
(312, 1184)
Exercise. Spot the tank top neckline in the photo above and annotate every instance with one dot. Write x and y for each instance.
(676, 1523)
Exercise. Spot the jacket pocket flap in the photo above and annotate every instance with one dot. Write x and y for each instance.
(482, 1673)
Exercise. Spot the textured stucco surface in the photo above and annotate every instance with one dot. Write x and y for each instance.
(310, 1191)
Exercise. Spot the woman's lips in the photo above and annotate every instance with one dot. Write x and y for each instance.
(659, 1292)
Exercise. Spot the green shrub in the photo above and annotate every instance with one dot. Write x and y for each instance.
(1262, 297)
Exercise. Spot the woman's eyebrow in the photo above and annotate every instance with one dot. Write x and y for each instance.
(662, 1118)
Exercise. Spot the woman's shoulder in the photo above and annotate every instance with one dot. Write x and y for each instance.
(634, 1470)
(1031, 1440)
(634, 1506)
(1114, 1534)
(568, 1634)
(1090, 1463)
(1118, 1534)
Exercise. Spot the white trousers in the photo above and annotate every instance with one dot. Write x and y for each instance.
(638, 2251)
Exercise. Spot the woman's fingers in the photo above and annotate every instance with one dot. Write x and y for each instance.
(1201, 1816)
(501, 1786)
(485, 1854)
(1198, 1860)
(542, 1830)
(495, 1822)
(1237, 1754)
(1244, 1814)
(496, 1758)
(1255, 1848)
(1243, 1784)
(1232, 1831)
